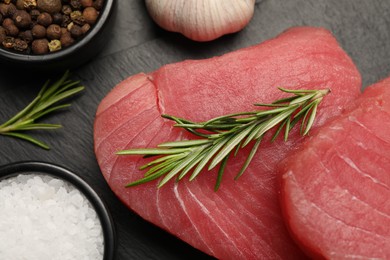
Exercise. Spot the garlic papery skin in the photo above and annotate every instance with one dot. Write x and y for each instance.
(201, 20)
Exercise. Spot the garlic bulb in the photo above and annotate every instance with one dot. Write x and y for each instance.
(201, 20)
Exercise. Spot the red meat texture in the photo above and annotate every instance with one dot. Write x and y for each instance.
(243, 219)
(336, 190)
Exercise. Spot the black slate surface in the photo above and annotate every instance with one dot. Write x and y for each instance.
(137, 44)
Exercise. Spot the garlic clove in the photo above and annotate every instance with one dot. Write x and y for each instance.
(201, 20)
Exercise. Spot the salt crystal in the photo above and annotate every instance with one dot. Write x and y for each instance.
(42, 217)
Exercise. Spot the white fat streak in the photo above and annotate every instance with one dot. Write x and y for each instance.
(357, 169)
(183, 206)
(342, 222)
(159, 208)
(204, 209)
(350, 256)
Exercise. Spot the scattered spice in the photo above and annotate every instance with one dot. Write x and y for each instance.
(43, 26)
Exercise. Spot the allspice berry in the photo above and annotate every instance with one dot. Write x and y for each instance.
(40, 46)
(86, 3)
(3, 9)
(66, 39)
(85, 28)
(38, 31)
(76, 31)
(22, 19)
(10, 28)
(49, 6)
(90, 15)
(45, 19)
(53, 32)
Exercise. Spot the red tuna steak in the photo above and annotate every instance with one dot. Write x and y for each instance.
(243, 219)
(336, 190)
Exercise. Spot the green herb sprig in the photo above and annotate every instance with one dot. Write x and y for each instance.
(46, 102)
(223, 136)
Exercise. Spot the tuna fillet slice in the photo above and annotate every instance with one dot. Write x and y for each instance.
(336, 190)
(243, 219)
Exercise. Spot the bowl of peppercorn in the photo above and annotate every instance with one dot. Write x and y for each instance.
(53, 35)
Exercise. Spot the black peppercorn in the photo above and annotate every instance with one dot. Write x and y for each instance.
(8, 42)
(44, 19)
(66, 9)
(75, 4)
(7, 10)
(22, 19)
(38, 31)
(53, 32)
(65, 20)
(98, 4)
(20, 45)
(1, 18)
(49, 6)
(40, 46)
(57, 18)
(34, 13)
(11, 10)
(26, 36)
(77, 17)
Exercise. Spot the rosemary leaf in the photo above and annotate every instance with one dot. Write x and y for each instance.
(233, 142)
(220, 173)
(46, 102)
(225, 135)
(207, 157)
(249, 158)
(27, 138)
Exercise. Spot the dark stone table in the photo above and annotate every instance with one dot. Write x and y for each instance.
(136, 44)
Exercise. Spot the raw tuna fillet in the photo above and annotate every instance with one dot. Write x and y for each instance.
(336, 190)
(243, 219)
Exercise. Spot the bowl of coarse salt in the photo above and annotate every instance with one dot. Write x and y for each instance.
(49, 212)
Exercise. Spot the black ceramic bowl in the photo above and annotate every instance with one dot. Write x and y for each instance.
(14, 169)
(68, 58)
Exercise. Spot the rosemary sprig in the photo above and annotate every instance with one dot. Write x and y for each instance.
(223, 136)
(46, 102)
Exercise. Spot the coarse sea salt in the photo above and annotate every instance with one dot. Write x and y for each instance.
(42, 217)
